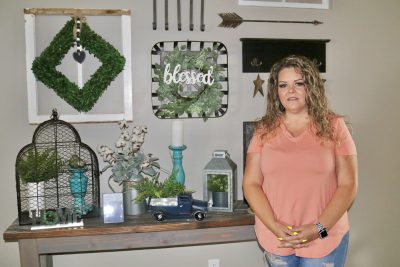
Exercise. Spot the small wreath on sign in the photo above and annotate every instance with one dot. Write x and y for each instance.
(44, 66)
(182, 67)
(50, 218)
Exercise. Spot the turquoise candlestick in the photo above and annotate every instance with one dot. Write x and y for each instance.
(78, 185)
(177, 161)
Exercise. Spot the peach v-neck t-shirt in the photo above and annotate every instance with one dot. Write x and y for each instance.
(299, 181)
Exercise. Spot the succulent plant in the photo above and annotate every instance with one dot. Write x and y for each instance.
(75, 162)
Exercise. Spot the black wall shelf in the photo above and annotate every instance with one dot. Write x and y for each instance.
(269, 51)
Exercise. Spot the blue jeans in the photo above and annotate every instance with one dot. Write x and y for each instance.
(335, 259)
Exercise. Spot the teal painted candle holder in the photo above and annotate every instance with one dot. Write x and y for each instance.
(78, 185)
(177, 162)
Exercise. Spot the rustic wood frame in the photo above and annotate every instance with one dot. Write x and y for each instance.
(30, 44)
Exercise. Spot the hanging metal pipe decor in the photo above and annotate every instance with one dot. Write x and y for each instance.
(178, 4)
(154, 14)
(202, 25)
(192, 6)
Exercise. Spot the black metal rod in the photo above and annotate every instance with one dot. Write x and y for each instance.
(166, 15)
(178, 2)
(191, 15)
(202, 27)
(154, 14)
(315, 22)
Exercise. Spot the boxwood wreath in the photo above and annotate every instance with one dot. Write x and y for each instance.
(205, 100)
(83, 100)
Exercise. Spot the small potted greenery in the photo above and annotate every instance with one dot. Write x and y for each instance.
(35, 166)
(218, 185)
(152, 187)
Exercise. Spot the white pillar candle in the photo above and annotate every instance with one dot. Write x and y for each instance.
(177, 133)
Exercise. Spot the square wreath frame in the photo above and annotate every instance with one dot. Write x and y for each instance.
(30, 45)
(163, 48)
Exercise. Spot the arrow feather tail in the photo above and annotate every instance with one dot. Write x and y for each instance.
(230, 20)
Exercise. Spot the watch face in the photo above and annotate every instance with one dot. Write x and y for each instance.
(323, 233)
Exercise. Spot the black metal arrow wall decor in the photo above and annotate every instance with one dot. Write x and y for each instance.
(233, 20)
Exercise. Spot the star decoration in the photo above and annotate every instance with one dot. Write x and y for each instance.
(258, 86)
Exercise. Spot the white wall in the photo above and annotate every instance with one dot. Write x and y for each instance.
(362, 81)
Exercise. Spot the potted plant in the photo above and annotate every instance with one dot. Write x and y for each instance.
(217, 184)
(129, 165)
(34, 168)
(170, 199)
(152, 187)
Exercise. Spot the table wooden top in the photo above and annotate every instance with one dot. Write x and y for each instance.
(133, 224)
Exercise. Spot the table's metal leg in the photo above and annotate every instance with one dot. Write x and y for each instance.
(30, 257)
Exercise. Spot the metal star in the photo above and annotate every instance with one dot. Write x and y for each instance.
(258, 86)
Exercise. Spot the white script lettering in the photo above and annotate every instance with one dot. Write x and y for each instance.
(188, 77)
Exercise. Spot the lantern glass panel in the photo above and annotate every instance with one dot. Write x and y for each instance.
(219, 182)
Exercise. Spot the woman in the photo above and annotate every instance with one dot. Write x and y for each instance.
(301, 171)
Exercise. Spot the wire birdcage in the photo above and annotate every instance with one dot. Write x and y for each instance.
(37, 198)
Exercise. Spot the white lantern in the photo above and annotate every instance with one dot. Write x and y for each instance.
(220, 182)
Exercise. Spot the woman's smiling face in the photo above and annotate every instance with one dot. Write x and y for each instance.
(291, 90)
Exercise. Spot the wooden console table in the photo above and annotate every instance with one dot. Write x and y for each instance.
(137, 232)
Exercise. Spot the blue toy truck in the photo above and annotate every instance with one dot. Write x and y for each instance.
(182, 206)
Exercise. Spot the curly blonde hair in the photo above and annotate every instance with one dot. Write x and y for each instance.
(316, 100)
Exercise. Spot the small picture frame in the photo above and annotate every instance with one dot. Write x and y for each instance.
(113, 208)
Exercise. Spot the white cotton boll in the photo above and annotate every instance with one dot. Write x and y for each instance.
(123, 124)
(125, 135)
(120, 143)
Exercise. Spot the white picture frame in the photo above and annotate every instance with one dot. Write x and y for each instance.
(322, 4)
(32, 87)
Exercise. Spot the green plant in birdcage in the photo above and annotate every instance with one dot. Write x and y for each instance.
(35, 166)
(217, 183)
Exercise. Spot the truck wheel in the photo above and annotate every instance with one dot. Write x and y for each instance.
(159, 216)
(199, 216)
